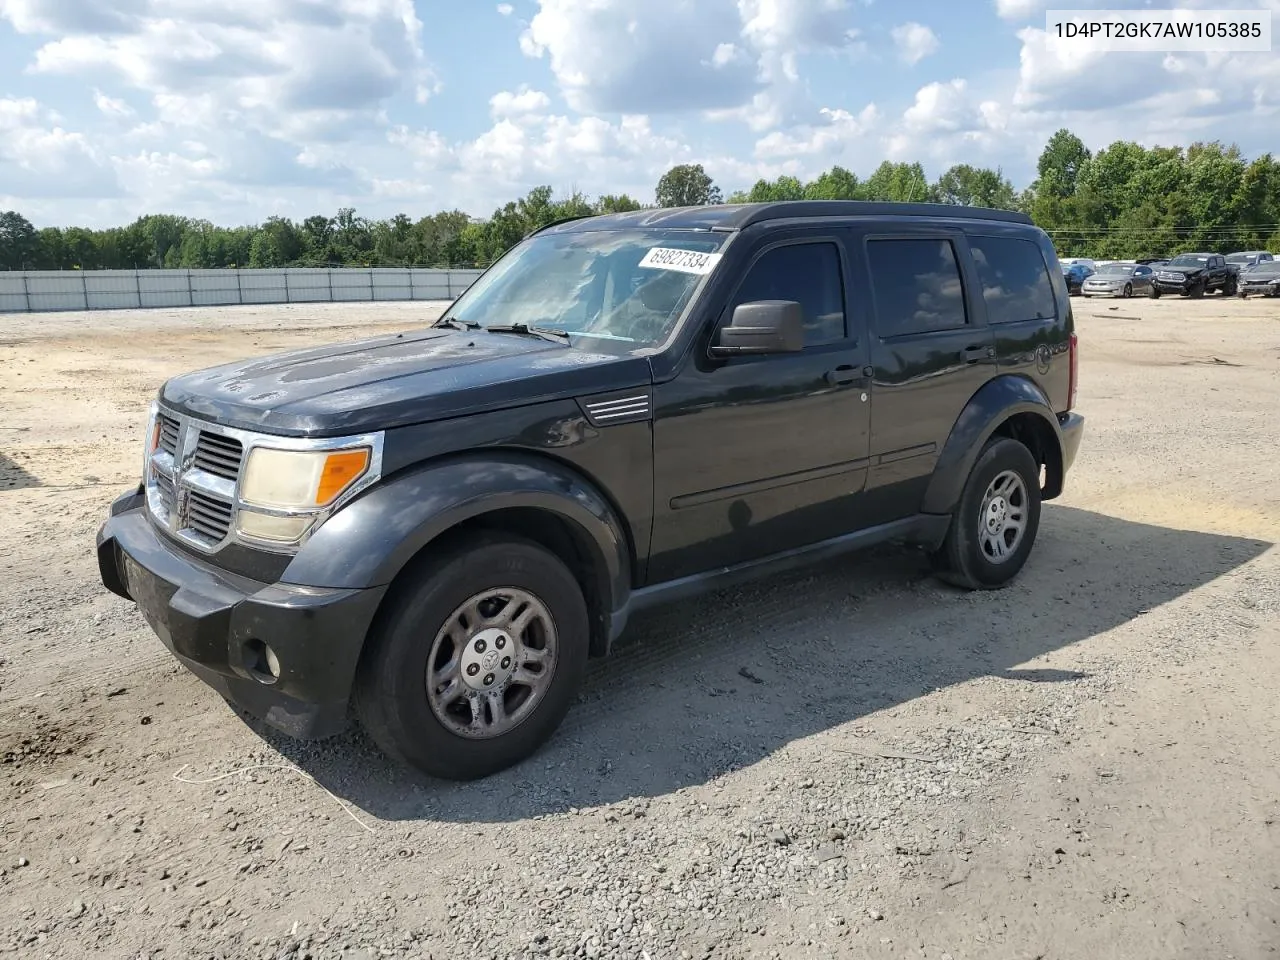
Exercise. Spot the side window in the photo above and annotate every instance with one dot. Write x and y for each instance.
(809, 273)
(916, 286)
(1015, 280)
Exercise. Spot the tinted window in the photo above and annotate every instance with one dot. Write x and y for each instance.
(916, 285)
(808, 273)
(1015, 280)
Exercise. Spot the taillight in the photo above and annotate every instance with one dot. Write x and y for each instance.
(1074, 367)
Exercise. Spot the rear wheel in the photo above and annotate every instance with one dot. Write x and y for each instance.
(994, 525)
(477, 660)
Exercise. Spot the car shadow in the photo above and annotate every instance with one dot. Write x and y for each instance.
(13, 476)
(709, 686)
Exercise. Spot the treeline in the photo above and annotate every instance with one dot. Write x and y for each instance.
(1124, 201)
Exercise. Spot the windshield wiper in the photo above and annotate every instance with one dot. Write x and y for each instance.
(456, 324)
(547, 333)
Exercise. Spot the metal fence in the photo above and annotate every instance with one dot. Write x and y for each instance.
(24, 291)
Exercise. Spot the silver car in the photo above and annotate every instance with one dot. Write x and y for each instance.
(1119, 280)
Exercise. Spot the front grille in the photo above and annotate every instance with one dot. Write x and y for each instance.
(192, 480)
(164, 489)
(208, 516)
(168, 434)
(218, 455)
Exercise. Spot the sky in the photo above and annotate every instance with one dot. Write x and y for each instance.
(236, 110)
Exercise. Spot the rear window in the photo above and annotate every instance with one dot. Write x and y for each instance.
(916, 287)
(1015, 280)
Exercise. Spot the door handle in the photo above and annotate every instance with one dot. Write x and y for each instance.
(975, 352)
(841, 375)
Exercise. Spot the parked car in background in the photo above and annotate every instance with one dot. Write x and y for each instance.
(1119, 279)
(1152, 261)
(1260, 280)
(1194, 275)
(1078, 261)
(1075, 274)
(1247, 258)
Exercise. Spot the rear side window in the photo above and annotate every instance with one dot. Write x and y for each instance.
(1015, 280)
(916, 285)
(810, 274)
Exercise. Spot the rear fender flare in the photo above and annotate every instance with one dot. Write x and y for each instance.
(369, 541)
(994, 403)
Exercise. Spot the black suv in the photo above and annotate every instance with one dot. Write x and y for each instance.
(1194, 275)
(438, 528)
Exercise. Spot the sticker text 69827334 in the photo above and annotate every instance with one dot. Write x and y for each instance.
(686, 261)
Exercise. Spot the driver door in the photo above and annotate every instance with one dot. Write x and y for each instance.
(756, 455)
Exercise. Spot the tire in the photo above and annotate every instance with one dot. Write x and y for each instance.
(1196, 292)
(1155, 293)
(962, 560)
(1128, 291)
(391, 691)
(1229, 288)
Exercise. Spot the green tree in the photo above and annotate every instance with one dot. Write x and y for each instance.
(687, 185)
(975, 187)
(836, 184)
(772, 191)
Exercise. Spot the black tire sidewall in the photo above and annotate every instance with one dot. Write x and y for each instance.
(998, 456)
(394, 702)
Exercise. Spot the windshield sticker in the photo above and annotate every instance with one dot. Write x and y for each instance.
(685, 261)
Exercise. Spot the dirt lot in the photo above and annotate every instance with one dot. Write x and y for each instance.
(848, 762)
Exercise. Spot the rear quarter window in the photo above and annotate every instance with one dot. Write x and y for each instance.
(1015, 280)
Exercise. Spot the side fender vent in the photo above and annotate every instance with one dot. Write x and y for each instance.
(627, 406)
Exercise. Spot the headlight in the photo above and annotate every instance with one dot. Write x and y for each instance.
(301, 479)
(283, 493)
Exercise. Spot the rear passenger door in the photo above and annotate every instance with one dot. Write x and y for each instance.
(930, 353)
(1022, 312)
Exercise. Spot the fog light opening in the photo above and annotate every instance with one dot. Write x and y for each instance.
(261, 662)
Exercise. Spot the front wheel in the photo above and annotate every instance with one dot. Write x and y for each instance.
(1128, 291)
(1196, 292)
(1155, 293)
(994, 525)
(477, 659)
(1229, 288)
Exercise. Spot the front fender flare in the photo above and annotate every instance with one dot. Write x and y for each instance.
(369, 541)
(995, 402)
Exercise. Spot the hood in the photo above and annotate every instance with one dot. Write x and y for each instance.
(1190, 270)
(396, 380)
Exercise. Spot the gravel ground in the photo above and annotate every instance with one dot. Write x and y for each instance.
(852, 761)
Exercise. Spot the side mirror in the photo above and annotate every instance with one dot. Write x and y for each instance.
(765, 326)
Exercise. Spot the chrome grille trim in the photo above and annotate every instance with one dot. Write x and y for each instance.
(631, 405)
(192, 479)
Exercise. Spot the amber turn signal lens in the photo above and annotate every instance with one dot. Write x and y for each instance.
(340, 469)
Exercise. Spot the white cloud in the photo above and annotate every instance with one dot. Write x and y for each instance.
(505, 103)
(915, 41)
(1019, 9)
(39, 158)
(282, 67)
(111, 106)
(667, 56)
(828, 141)
(506, 9)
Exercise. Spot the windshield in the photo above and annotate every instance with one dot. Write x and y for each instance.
(1187, 260)
(1116, 268)
(617, 285)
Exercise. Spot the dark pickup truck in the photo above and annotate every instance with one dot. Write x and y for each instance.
(1194, 275)
(435, 530)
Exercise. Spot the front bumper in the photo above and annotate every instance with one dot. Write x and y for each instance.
(1108, 291)
(214, 621)
(1259, 289)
